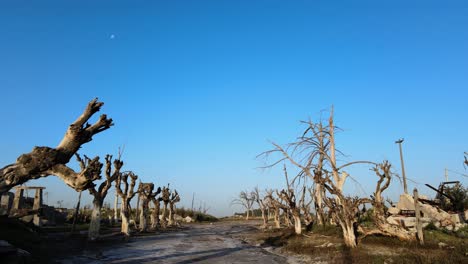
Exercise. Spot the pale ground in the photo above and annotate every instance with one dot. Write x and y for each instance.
(199, 243)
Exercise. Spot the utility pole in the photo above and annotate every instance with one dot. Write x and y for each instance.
(402, 165)
(193, 199)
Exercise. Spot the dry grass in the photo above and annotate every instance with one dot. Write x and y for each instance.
(325, 245)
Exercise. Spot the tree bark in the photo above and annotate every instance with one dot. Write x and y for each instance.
(155, 214)
(125, 216)
(95, 224)
(127, 194)
(100, 194)
(297, 224)
(45, 161)
(277, 218)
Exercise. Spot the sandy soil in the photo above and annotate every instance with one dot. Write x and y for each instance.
(199, 243)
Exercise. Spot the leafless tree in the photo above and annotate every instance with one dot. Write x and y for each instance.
(157, 208)
(100, 194)
(317, 148)
(275, 205)
(246, 200)
(126, 195)
(165, 198)
(146, 195)
(175, 198)
(45, 161)
(382, 170)
(305, 207)
(262, 205)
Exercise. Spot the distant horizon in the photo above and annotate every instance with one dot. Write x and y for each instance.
(198, 89)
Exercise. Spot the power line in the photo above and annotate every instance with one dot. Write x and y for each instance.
(456, 172)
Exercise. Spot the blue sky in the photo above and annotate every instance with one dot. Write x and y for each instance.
(198, 88)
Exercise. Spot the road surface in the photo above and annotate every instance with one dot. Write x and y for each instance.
(199, 243)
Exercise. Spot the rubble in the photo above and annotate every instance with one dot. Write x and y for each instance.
(429, 213)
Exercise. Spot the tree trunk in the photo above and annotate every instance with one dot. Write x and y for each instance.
(287, 220)
(171, 214)
(95, 223)
(116, 202)
(318, 204)
(247, 214)
(155, 216)
(349, 234)
(297, 224)
(144, 215)
(125, 215)
(264, 217)
(277, 218)
(164, 216)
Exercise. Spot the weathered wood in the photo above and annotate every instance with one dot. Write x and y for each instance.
(100, 194)
(175, 198)
(45, 161)
(126, 195)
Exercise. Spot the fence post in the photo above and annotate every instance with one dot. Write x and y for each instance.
(419, 230)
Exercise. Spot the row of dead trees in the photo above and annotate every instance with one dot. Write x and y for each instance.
(315, 195)
(45, 161)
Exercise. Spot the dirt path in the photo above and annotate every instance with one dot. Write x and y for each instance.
(200, 243)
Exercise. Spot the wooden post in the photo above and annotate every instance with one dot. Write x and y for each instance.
(419, 230)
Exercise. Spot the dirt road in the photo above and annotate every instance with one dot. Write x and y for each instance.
(200, 243)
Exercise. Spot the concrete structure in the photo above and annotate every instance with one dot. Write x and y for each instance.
(6, 202)
(37, 204)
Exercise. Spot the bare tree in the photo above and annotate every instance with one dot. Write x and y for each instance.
(165, 198)
(246, 200)
(320, 144)
(157, 208)
(146, 195)
(100, 194)
(262, 205)
(175, 198)
(276, 206)
(382, 170)
(305, 207)
(126, 195)
(45, 161)
(289, 198)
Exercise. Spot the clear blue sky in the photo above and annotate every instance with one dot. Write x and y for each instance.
(197, 88)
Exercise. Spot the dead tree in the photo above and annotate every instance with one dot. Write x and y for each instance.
(126, 195)
(175, 198)
(100, 194)
(321, 144)
(245, 200)
(45, 161)
(165, 198)
(146, 195)
(305, 207)
(289, 198)
(262, 205)
(157, 208)
(382, 226)
(276, 205)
